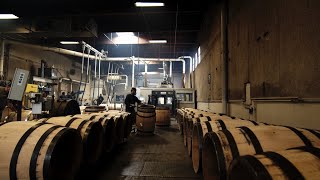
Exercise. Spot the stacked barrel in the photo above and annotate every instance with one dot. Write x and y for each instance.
(57, 147)
(226, 147)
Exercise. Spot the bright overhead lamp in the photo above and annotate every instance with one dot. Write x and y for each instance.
(125, 34)
(157, 41)
(8, 16)
(149, 4)
(69, 42)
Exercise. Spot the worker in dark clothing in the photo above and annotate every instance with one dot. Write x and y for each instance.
(100, 99)
(130, 101)
(63, 96)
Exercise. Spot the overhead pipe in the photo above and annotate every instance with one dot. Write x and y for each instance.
(92, 57)
(170, 70)
(145, 75)
(224, 45)
(2, 58)
(119, 75)
(132, 79)
(74, 81)
(53, 49)
(164, 69)
(99, 77)
(190, 61)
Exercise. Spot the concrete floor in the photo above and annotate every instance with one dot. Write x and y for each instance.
(161, 156)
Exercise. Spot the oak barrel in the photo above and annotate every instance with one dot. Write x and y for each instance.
(108, 125)
(91, 133)
(90, 109)
(145, 119)
(34, 150)
(299, 163)
(65, 107)
(203, 126)
(186, 123)
(190, 123)
(162, 116)
(220, 148)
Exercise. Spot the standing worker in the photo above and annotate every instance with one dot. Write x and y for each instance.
(130, 101)
(100, 99)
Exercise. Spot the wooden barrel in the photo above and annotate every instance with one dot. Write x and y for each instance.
(145, 119)
(179, 117)
(121, 121)
(127, 124)
(8, 114)
(108, 125)
(186, 123)
(191, 123)
(220, 148)
(119, 131)
(91, 133)
(203, 126)
(162, 116)
(300, 163)
(65, 107)
(33, 150)
(95, 109)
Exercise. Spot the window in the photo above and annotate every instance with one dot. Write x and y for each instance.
(196, 60)
(199, 54)
(193, 62)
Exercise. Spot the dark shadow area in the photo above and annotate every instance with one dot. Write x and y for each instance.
(160, 156)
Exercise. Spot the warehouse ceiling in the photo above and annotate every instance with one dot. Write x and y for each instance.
(95, 22)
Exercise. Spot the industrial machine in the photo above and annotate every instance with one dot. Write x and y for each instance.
(169, 97)
(163, 98)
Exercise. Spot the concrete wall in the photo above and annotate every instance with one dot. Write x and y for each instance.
(274, 46)
(29, 59)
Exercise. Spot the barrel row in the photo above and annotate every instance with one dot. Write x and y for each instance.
(56, 148)
(259, 146)
(196, 124)
(228, 147)
(296, 163)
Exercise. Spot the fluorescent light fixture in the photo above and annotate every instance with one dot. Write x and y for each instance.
(69, 42)
(149, 4)
(8, 16)
(160, 68)
(157, 41)
(121, 34)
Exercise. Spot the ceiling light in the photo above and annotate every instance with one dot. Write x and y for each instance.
(8, 16)
(160, 68)
(149, 4)
(69, 42)
(125, 34)
(157, 41)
